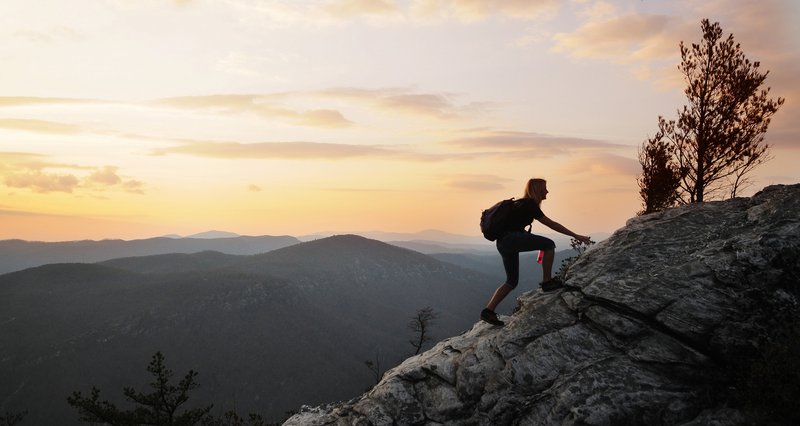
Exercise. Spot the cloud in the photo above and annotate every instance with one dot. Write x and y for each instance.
(338, 12)
(38, 181)
(767, 32)
(300, 151)
(4, 212)
(603, 164)
(133, 186)
(525, 144)
(254, 188)
(319, 13)
(477, 182)
(265, 106)
(275, 150)
(421, 104)
(598, 10)
(36, 173)
(649, 42)
(439, 106)
(39, 126)
(274, 106)
(625, 39)
(322, 118)
(477, 10)
(406, 101)
(105, 176)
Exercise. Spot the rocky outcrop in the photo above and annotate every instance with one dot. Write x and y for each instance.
(649, 330)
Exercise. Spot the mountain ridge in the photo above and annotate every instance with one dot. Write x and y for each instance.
(260, 329)
(659, 324)
(19, 254)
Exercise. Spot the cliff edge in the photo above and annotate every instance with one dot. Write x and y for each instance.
(655, 326)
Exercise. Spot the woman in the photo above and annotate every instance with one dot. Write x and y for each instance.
(517, 240)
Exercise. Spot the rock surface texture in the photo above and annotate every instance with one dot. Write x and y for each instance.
(647, 331)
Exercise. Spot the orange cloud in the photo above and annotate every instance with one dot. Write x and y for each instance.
(34, 172)
(519, 144)
(650, 44)
(475, 10)
(280, 150)
(38, 181)
(332, 12)
(625, 38)
(603, 164)
(432, 105)
(423, 104)
(265, 106)
(105, 176)
(477, 182)
(298, 151)
(133, 186)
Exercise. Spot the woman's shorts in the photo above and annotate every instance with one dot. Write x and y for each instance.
(514, 243)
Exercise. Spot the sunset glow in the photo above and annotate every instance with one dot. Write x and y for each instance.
(138, 118)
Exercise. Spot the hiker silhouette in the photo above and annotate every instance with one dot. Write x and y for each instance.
(515, 240)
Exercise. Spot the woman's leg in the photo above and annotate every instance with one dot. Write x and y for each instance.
(547, 264)
(509, 248)
(498, 296)
(511, 265)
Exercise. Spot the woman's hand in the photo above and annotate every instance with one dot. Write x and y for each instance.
(583, 238)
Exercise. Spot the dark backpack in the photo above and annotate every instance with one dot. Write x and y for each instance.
(494, 219)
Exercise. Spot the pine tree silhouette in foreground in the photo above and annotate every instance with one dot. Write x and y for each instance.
(160, 407)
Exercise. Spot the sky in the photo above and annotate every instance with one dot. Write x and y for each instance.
(138, 118)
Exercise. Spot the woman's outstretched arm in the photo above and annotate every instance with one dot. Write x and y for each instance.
(555, 226)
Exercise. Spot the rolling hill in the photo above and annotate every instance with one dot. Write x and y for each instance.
(267, 332)
(16, 255)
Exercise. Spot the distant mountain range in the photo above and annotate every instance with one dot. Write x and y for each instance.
(18, 254)
(266, 332)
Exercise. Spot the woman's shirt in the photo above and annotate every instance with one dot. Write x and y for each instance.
(524, 212)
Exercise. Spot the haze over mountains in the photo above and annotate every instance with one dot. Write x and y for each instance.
(267, 332)
(17, 254)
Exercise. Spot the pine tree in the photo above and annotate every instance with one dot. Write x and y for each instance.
(159, 407)
(719, 136)
(661, 177)
(420, 325)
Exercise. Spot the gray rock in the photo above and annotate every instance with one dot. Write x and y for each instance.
(649, 323)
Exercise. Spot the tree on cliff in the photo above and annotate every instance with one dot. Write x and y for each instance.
(661, 176)
(420, 325)
(719, 136)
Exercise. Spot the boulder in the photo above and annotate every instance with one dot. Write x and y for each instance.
(652, 327)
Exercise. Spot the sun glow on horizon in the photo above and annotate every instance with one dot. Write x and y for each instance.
(130, 120)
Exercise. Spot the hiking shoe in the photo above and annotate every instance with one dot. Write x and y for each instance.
(489, 316)
(551, 285)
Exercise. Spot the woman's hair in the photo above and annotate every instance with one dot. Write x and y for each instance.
(534, 189)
